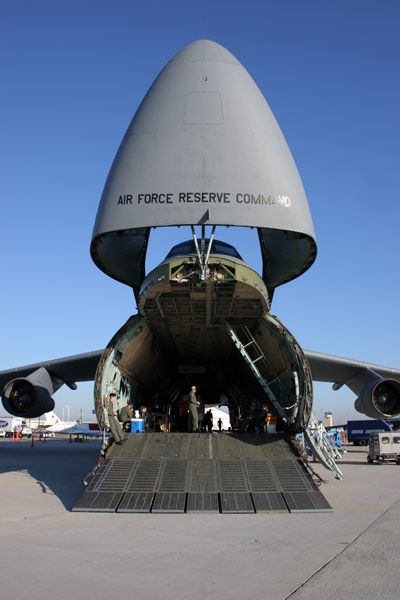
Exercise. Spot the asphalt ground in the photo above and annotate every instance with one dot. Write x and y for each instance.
(48, 551)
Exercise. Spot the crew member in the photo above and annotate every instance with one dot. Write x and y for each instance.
(246, 418)
(259, 420)
(115, 425)
(125, 416)
(193, 420)
(255, 420)
(147, 417)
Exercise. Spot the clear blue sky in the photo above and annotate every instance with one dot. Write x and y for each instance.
(73, 74)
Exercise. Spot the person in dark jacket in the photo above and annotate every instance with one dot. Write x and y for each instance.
(208, 421)
(259, 420)
(200, 413)
(254, 420)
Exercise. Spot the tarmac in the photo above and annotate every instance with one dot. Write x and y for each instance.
(48, 550)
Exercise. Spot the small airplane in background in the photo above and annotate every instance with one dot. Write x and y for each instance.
(56, 425)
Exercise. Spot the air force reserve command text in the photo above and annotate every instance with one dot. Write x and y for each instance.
(204, 197)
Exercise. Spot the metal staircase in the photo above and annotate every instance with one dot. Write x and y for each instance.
(252, 353)
(321, 445)
(315, 434)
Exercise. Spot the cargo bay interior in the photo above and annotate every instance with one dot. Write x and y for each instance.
(214, 332)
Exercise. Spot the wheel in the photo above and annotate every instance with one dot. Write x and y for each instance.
(379, 460)
(369, 459)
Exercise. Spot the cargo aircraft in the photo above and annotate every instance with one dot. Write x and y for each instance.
(204, 151)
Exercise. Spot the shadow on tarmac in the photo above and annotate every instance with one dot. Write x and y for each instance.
(57, 466)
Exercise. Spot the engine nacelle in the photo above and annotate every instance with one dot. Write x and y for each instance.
(379, 399)
(30, 396)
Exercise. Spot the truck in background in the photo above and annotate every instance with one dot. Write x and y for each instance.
(12, 425)
(384, 447)
(358, 431)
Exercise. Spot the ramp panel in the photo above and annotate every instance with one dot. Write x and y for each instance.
(174, 476)
(146, 476)
(203, 476)
(136, 502)
(306, 502)
(269, 502)
(290, 475)
(98, 502)
(236, 502)
(202, 502)
(231, 476)
(169, 503)
(202, 473)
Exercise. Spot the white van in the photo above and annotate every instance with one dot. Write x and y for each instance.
(384, 447)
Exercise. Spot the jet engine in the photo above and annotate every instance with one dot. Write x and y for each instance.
(30, 396)
(379, 398)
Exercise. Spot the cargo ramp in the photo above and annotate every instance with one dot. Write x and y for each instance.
(203, 473)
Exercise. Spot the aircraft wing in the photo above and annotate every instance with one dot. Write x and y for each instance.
(339, 370)
(79, 367)
(86, 429)
(377, 387)
(82, 367)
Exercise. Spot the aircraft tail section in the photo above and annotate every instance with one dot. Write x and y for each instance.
(54, 423)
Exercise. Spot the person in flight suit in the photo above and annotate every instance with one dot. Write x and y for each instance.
(115, 425)
(125, 416)
(193, 420)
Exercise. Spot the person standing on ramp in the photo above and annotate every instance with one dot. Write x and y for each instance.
(115, 426)
(193, 420)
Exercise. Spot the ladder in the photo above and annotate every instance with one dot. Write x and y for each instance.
(250, 345)
(315, 434)
(321, 445)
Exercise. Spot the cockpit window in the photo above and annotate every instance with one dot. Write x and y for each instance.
(183, 248)
(217, 247)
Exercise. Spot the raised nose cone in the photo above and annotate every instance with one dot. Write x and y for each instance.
(203, 147)
(204, 51)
